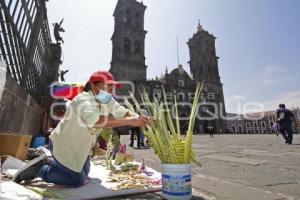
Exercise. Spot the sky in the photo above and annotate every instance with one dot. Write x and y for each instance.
(258, 42)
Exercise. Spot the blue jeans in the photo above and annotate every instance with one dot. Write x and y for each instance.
(286, 131)
(57, 173)
(142, 137)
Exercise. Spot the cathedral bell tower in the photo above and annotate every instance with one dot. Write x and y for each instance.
(204, 68)
(203, 58)
(128, 41)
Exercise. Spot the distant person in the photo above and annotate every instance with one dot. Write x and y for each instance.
(135, 131)
(142, 136)
(277, 129)
(284, 119)
(211, 131)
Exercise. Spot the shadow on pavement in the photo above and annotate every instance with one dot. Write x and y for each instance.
(147, 196)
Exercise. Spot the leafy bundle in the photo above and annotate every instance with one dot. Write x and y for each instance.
(164, 134)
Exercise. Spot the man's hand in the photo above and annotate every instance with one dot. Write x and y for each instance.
(295, 126)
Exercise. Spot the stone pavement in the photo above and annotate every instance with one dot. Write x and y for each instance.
(245, 167)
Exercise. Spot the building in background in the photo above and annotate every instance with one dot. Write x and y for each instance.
(259, 123)
(128, 39)
(235, 123)
(128, 64)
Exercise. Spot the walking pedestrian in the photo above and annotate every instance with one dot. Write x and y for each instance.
(211, 131)
(285, 119)
(135, 132)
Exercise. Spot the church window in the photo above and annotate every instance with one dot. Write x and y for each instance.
(157, 94)
(137, 48)
(169, 96)
(181, 83)
(255, 124)
(180, 96)
(191, 96)
(128, 16)
(240, 129)
(233, 129)
(127, 45)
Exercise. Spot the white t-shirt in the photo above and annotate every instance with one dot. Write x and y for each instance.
(75, 135)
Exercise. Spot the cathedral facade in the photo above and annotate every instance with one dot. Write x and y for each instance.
(128, 64)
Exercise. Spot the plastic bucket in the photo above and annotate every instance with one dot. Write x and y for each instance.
(38, 141)
(177, 181)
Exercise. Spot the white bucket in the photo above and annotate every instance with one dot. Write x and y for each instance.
(176, 181)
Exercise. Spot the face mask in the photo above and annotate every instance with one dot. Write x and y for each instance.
(104, 97)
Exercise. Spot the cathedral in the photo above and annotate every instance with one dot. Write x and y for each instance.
(128, 64)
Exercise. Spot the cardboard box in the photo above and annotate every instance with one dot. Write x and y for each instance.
(15, 145)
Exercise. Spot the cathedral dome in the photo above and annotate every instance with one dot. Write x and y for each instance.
(179, 71)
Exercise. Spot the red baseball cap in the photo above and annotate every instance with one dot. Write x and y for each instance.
(104, 77)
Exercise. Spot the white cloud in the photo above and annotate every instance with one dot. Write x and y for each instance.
(270, 82)
(271, 69)
(234, 102)
(271, 75)
(241, 104)
(236, 98)
(290, 99)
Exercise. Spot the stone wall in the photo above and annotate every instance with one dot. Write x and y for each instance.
(19, 113)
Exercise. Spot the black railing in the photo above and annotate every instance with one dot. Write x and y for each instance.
(25, 44)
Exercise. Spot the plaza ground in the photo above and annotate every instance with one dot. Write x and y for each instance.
(239, 167)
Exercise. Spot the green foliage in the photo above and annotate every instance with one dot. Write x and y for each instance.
(163, 134)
